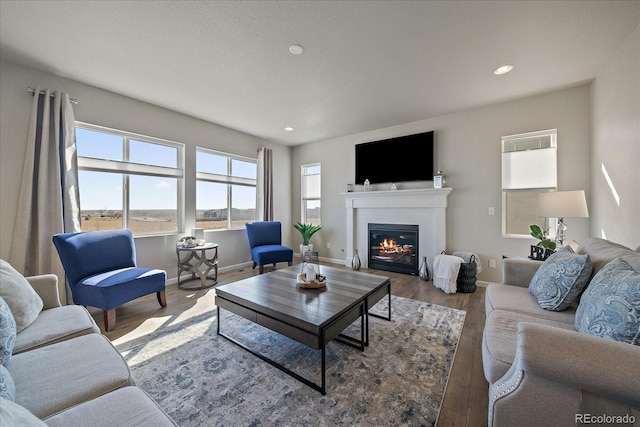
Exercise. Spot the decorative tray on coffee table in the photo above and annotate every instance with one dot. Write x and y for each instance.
(312, 284)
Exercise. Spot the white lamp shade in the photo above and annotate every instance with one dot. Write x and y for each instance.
(563, 204)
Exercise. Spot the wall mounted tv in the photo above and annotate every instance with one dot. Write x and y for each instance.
(400, 159)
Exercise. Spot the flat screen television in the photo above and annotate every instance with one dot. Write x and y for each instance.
(400, 159)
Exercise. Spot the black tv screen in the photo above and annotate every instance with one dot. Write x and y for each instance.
(400, 159)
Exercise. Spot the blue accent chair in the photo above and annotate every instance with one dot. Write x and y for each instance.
(101, 271)
(265, 240)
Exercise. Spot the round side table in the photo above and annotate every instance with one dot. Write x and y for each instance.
(199, 263)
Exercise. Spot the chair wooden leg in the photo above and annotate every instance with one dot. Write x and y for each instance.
(290, 263)
(254, 265)
(162, 298)
(261, 269)
(109, 319)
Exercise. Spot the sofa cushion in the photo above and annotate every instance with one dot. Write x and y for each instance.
(519, 300)
(560, 279)
(7, 385)
(55, 377)
(55, 325)
(127, 406)
(7, 332)
(500, 337)
(24, 302)
(12, 414)
(601, 251)
(610, 307)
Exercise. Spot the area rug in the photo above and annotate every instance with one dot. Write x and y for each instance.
(202, 379)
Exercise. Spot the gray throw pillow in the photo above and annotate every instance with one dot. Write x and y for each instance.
(24, 302)
(560, 279)
(610, 306)
(7, 386)
(7, 332)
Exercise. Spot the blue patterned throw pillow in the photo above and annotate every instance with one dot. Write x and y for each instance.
(7, 386)
(560, 279)
(610, 307)
(7, 332)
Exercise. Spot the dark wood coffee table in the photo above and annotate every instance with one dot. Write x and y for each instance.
(274, 300)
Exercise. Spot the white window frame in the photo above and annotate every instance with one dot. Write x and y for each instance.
(228, 179)
(304, 196)
(127, 168)
(529, 162)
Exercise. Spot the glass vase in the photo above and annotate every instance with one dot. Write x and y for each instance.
(355, 261)
(424, 272)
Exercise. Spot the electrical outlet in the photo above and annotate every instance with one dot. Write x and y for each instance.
(492, 263)
(492, 210)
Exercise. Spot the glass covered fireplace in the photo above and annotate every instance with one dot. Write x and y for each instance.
(394, 247)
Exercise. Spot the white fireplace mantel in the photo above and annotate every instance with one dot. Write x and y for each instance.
(423, 207)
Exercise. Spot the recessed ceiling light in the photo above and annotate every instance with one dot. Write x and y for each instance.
(504, 69)
(288, 128)
(296, 49)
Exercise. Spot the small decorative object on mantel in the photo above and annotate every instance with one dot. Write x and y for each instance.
(355, 261)
(545, 246)
(367, 185)
(394, 187)
(438, 179)
(349, 188)
(424, 272)
(310, 276)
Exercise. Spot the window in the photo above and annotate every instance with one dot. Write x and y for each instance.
(310, 190)
(529, 167)
(225, 190)
(128, 181)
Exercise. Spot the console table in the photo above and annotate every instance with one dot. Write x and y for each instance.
(199, 263)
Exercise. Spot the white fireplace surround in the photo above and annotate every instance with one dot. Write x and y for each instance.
(426, 208)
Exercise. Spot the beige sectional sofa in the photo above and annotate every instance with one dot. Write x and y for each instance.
(66, 373)
(540, 369)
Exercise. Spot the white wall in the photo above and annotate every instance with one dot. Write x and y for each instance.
(108, 109)
(615, 207)
(468, 149)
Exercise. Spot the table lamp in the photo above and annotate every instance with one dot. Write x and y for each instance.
(561, 205)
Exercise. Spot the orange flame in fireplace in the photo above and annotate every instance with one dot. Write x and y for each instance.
(390, 246)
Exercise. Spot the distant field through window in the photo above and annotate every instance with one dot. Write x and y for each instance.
(128, 181)
(225, 190)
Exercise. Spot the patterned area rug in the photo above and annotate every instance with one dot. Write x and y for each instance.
(202, 379)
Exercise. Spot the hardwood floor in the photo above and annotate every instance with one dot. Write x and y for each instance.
(466, 399)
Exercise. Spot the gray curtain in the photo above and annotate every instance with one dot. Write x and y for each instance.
(264, 186)
(49, 201)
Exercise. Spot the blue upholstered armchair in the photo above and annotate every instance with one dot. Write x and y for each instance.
(265, 240)
(101, 271)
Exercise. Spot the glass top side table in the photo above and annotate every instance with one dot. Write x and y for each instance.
(200, 261)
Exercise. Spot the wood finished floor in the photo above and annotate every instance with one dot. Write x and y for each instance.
(466, 398)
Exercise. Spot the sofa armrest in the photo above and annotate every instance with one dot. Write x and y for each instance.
(46, 286)
(554, 367)
(518, 271)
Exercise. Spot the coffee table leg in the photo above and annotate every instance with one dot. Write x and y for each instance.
(389, 315)
(353, 342)
(322, 389)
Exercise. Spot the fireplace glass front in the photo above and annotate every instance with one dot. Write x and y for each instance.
(394, 247)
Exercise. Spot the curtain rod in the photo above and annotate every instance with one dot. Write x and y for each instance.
(42, 92)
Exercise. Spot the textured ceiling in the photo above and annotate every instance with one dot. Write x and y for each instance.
(366, 65)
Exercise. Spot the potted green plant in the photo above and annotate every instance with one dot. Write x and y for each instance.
(306, 231)
(545, 246)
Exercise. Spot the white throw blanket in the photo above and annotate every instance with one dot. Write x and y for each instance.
(466, 256)
(445, 272)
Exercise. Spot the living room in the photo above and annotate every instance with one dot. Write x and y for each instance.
(596, 117)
